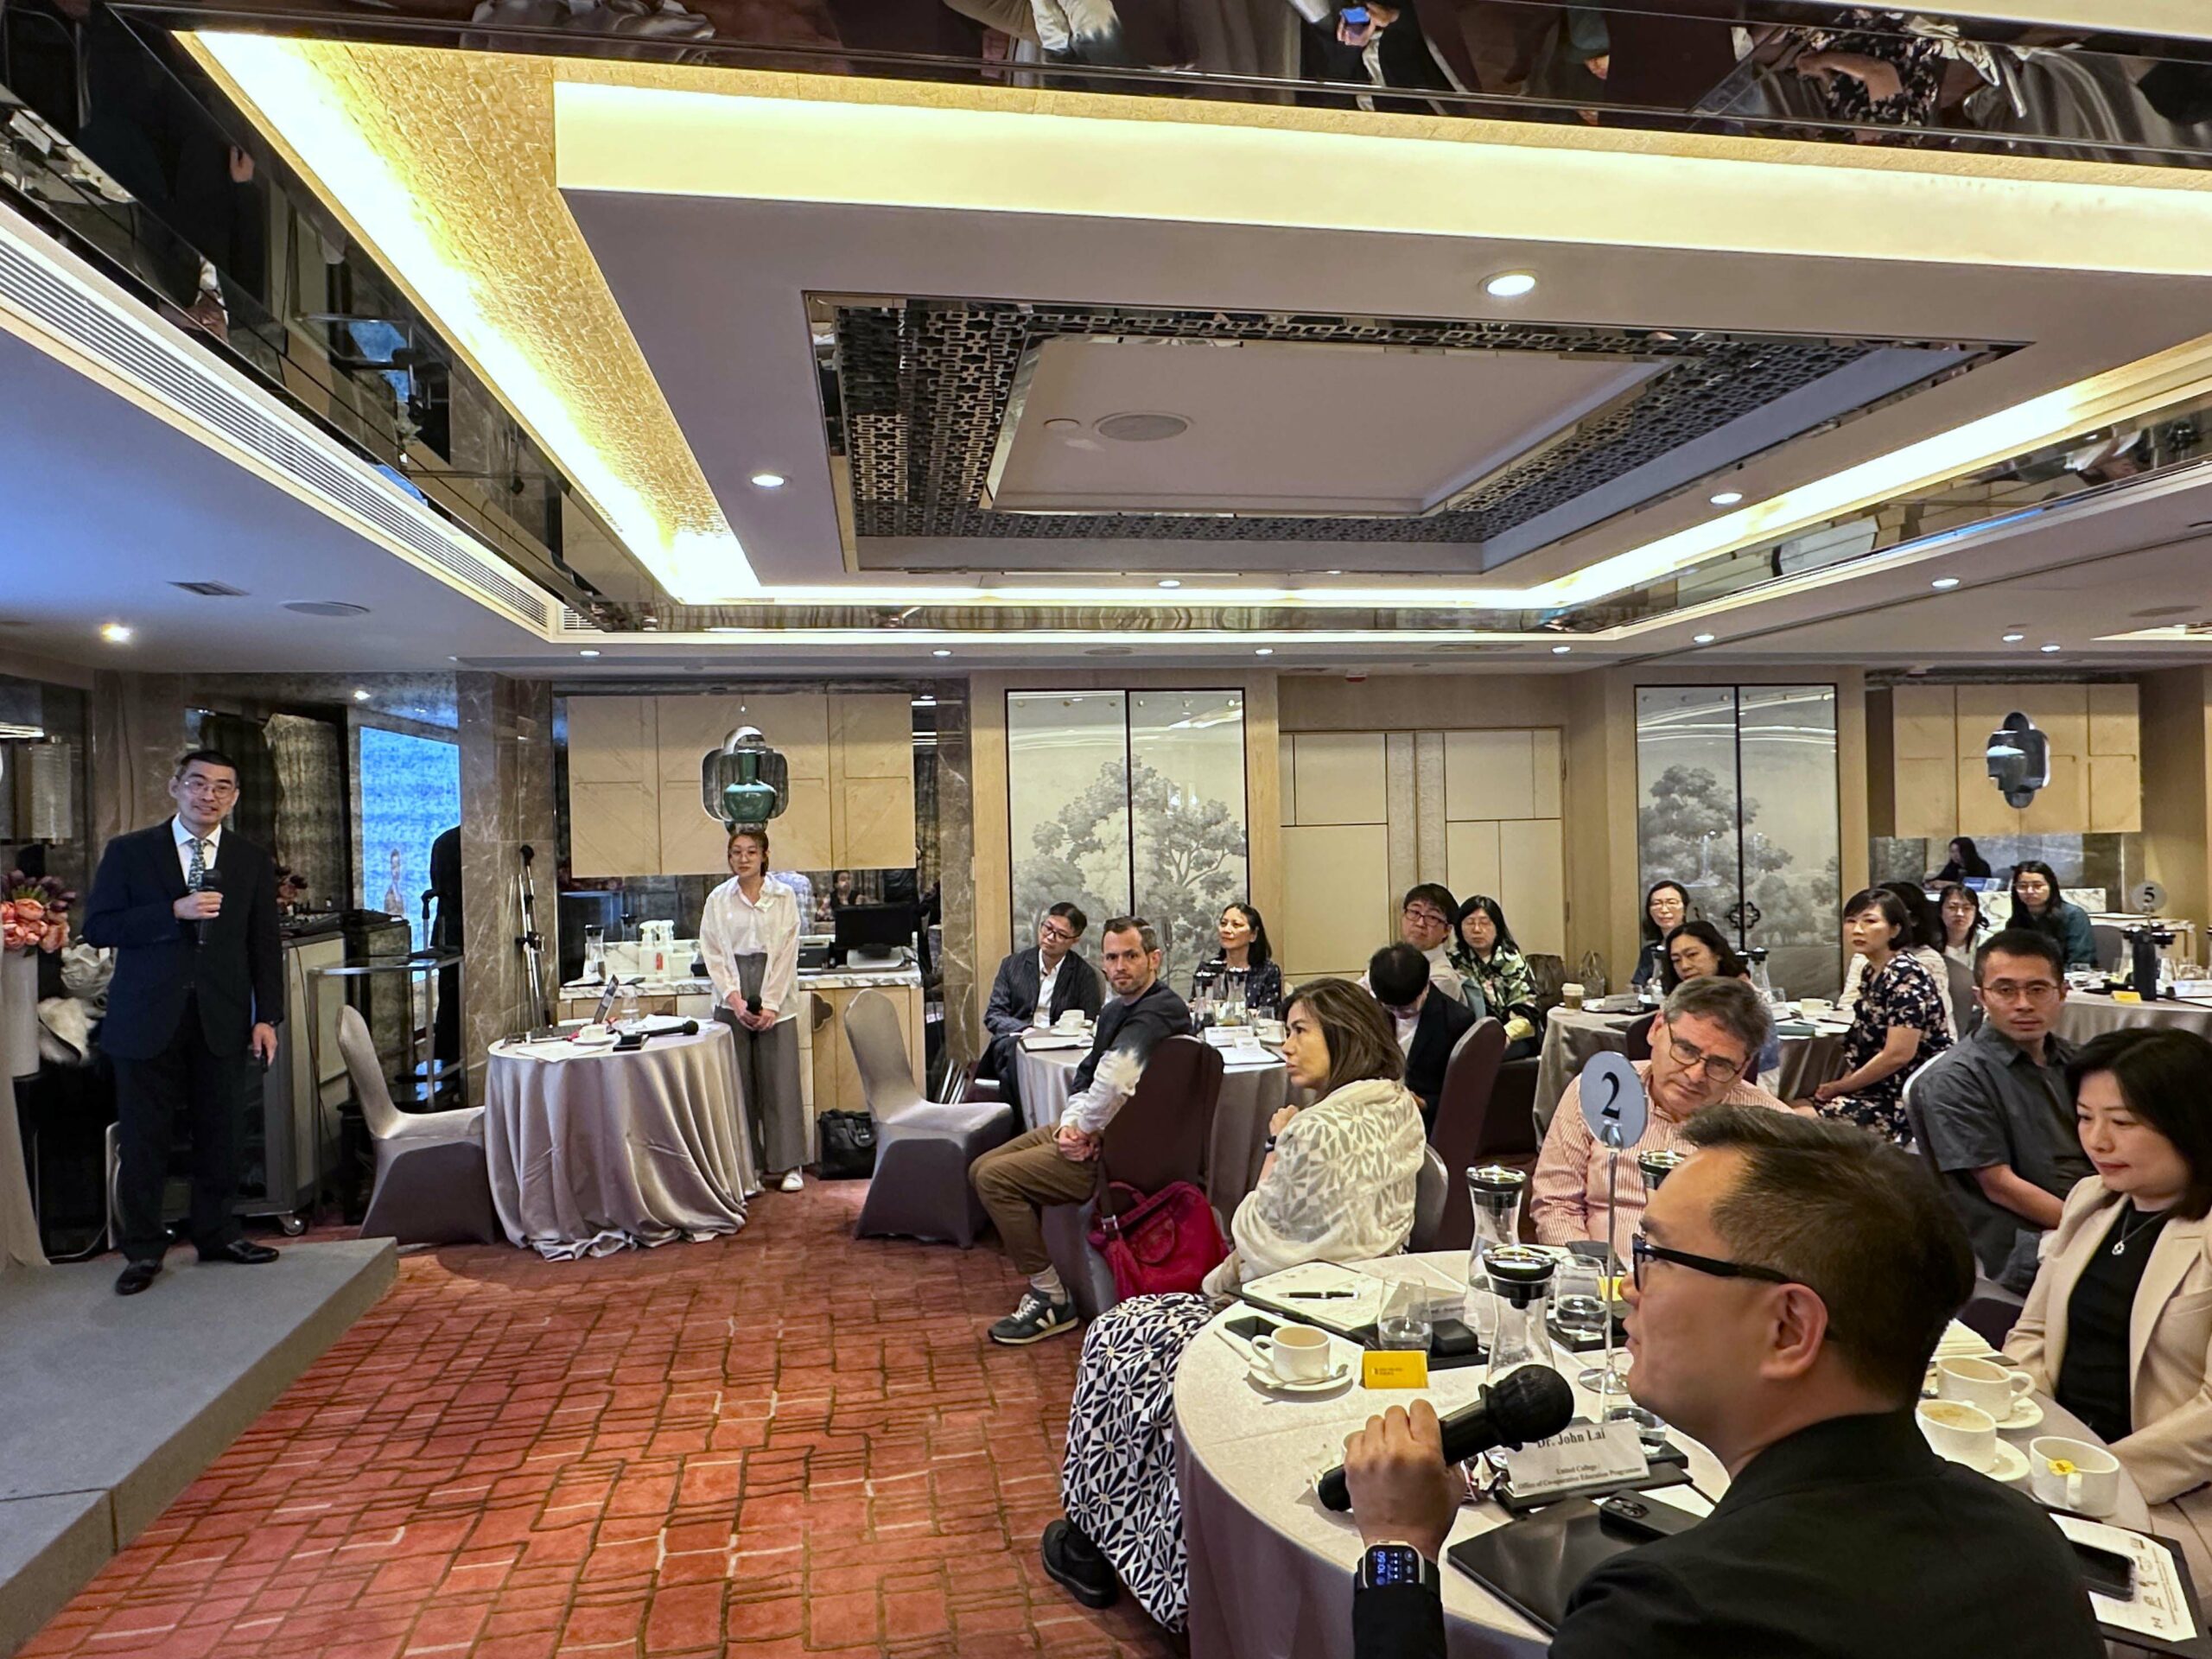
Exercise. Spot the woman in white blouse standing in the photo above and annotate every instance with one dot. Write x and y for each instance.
(749, 937)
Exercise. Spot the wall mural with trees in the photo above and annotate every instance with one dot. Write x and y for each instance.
(1128, 802)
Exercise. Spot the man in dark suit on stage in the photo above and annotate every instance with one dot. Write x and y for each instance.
(1036, 988)
(190, 908)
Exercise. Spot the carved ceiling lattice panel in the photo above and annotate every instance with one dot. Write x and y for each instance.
(923, 386)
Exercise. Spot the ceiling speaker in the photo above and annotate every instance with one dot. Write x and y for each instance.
(1142, 429)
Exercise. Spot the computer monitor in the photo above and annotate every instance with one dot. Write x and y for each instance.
(873, 935)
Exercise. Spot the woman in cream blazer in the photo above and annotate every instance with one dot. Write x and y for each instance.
(2144, 1111)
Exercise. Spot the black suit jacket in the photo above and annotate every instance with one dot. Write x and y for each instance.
(1013, 993)
(1443, 1022)
(238, 971)
(1848, 1538)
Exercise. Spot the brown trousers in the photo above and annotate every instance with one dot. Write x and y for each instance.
(1018, 1181)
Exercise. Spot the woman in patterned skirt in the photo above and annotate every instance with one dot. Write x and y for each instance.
(1896, 1025)
(1337, 1185)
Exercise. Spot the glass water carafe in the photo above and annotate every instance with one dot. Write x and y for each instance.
(1232, 997)
(1495, 1193)
(594, 951)
(1520, 1285)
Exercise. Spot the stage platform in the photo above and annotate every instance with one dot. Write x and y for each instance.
(110, 1405)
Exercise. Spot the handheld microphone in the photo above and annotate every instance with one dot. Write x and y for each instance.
(1530, 1404)
(689, 1028)
(210, 881)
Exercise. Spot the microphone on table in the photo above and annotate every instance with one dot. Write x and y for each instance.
(689, 1028)
(1532, 1403)
(211, 880)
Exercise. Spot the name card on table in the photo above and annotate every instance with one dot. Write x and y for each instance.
(1585, 1455)
(1394, 1368)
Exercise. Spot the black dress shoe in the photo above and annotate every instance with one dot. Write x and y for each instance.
(243, 1250)
(135, 1277)
(1077, 1565)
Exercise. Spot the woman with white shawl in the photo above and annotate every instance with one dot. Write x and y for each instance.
(1337, 1185)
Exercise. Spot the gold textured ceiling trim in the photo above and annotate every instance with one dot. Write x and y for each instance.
(442, 163)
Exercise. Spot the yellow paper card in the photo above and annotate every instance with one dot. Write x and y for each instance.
(1394, 1368)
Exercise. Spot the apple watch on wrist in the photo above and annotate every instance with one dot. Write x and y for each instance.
(1387, 1564)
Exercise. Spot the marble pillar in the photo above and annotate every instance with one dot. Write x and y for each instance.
(507, 803)
(955, 870)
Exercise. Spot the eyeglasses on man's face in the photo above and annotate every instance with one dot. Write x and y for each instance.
(1643, 1252)
(1426, 916)
(1715, 1068)
(220, 789)
(1054, 931)
(2015, 990)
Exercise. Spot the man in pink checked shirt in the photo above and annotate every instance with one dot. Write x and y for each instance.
(1707, 1032)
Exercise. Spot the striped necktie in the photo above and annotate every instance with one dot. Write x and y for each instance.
(195, 874)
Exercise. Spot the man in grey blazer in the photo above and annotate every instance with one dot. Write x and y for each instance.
(1034, 988)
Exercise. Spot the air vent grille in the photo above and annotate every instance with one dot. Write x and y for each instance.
(93, 329)
(211, 590)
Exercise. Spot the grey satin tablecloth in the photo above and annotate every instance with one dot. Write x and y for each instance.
(1250, 1094)
(597, 1154)
(2085, 1016)
(1271, 1570)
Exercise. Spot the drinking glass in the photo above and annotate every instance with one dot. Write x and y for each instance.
(1579, 1306)
(1404, 1322)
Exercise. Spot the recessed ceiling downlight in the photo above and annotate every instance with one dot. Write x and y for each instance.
(1141, 427)
(1510, 284)
(324, 607)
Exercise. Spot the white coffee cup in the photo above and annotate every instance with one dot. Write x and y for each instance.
(1070, 1021)
(1571, 994)
(1962, 1433)
(2073, 1475)
(1813, 1006)
(1996, 1389)
(1269, 1032)
(1297, 1353)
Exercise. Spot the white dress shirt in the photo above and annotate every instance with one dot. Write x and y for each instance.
(1046, 979)
(733, 925)
(1406, 1024)
(1443, 975)
(209, 843)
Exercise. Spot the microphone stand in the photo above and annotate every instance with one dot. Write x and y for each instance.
(533, 949)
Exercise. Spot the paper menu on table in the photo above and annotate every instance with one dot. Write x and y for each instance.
(2159, 1607)
(1298, 1293)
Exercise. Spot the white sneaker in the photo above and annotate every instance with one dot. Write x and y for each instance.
(794, 1182)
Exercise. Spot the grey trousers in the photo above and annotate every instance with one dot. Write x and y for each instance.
(775, 1111)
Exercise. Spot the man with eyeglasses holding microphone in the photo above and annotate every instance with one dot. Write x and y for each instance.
(1790, 1283)
(190, 909)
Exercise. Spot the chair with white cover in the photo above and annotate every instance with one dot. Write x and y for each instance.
(432, 1184)
(923, 1150)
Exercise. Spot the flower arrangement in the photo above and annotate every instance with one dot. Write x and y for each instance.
(34, 912)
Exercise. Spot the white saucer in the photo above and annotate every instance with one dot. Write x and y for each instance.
(2025, 1413)
(2010, 1465)
(1263, 1373)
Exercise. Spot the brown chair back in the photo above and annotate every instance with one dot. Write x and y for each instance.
(1160, 1135)
(1462, 1115)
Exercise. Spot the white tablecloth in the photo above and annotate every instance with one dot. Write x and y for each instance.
(1250, 1094)
(1271, 1569)
(596, 1153)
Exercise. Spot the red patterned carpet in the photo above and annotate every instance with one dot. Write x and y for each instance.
(788, 1442)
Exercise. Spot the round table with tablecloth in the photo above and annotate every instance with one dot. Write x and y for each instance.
(2088, 1014)
(1811, 1055)
(1271, 1570)
(601, 1151)
(1250, 1094)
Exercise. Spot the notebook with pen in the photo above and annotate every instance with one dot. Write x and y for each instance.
(1325, 1293)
